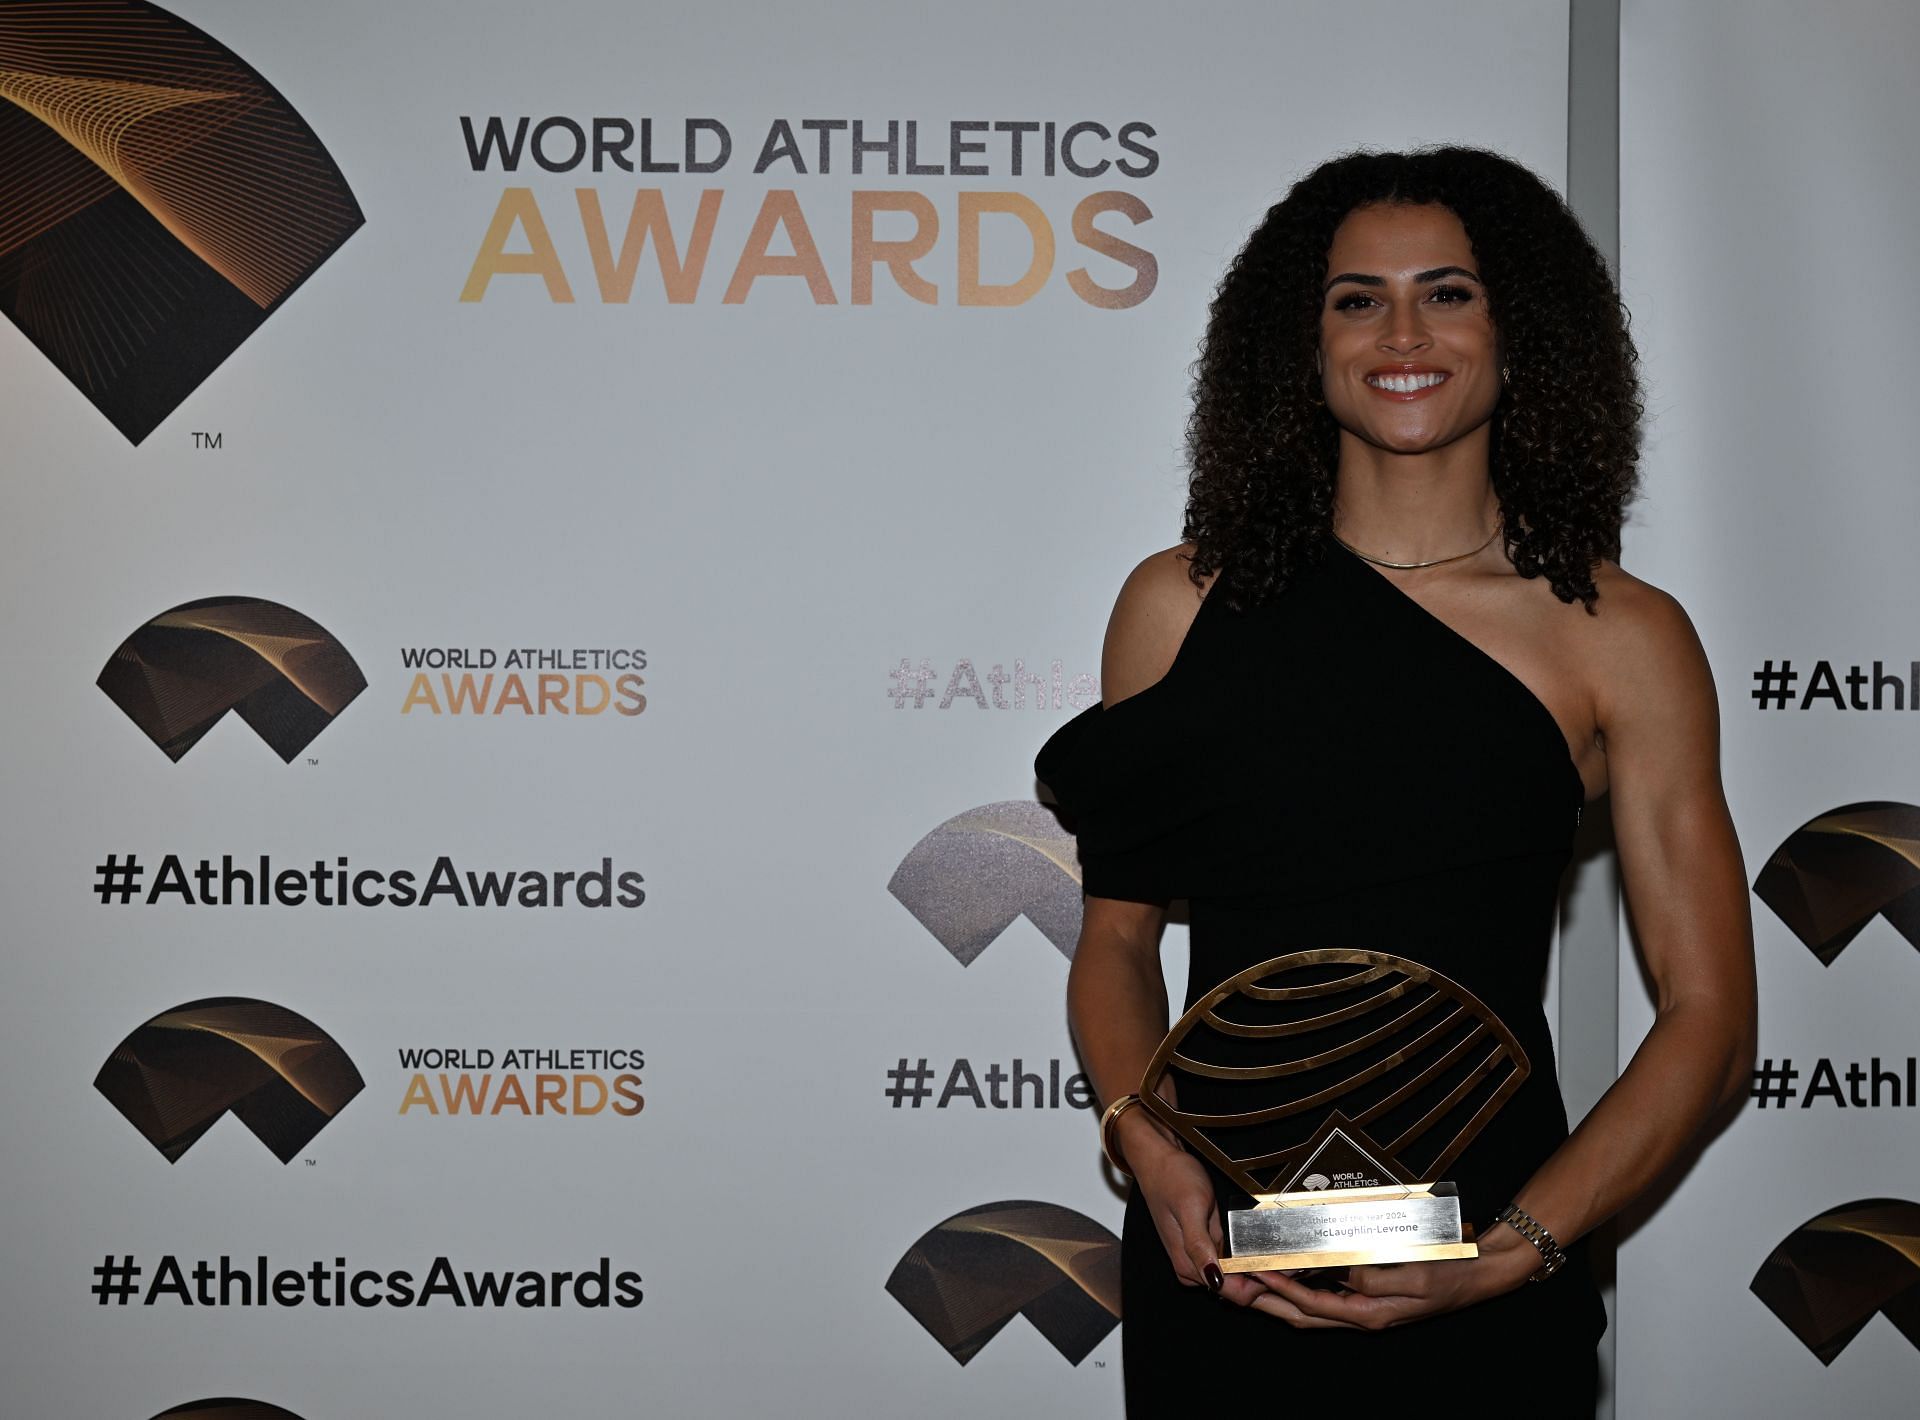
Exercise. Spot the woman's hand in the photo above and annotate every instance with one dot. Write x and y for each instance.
(1397, 1293)
(1178, 1193)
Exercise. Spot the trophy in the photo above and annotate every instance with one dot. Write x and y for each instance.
(1348, 1082)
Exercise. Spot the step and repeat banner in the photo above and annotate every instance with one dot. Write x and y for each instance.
(540, 543)
(1769, 189)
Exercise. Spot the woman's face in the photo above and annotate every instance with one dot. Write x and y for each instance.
(1404, 305)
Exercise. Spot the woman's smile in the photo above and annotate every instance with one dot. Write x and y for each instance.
(1405, 383)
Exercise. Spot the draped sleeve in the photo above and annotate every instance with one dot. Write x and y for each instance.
(1126, 783)
(1154, 786)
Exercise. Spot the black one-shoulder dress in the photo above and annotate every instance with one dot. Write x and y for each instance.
(1338, 767)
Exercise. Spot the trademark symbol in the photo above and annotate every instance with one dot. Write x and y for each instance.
(206, 438)
(311, 1162)
(312, 760)
(1097, 1365)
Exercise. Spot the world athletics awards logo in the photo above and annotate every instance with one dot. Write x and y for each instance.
(280, 671)
(159, 201)
(227, 1409)
(967, 1278)
(1832, 1273)
(973, 875)
(1837, 872)
(280, 1074)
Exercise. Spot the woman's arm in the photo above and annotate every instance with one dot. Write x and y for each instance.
(1117, 1002)
(1686, 890)
(1116, 995)
(1117, 1005)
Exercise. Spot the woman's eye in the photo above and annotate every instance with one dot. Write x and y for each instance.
(1446, 295)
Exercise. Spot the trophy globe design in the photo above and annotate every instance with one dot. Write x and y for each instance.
(1336, 1087)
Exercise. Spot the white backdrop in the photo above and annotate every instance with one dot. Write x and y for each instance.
(778, 501)
(1768, 193)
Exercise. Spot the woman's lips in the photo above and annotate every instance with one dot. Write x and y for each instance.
(1406, 396)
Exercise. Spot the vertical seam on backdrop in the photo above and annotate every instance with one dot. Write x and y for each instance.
(1589, 1006)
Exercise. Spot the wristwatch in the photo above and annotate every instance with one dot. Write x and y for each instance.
(1529, 1227)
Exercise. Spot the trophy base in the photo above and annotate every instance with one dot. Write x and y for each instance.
(1343, 1227)
(1369, 1257)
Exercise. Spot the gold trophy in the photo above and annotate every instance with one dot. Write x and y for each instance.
(1363, 1076)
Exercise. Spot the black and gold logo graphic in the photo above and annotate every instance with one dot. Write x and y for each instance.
(971, 1275)
(226, 1408)
(973, 875)
(1832, 1273)
(278, 670)
(1837, 872)
(280, 1074)
(159, 200)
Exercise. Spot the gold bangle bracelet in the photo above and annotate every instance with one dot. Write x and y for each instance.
(1107, 1118)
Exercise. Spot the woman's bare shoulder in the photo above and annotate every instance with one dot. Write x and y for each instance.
(1630, 608)
(1640, 643)
(1156, 606)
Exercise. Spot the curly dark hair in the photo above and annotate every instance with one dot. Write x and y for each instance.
(1262, 446)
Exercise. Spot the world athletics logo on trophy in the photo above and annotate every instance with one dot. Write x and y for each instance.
(966, 1278)
(159, 200)
(972, 877)
(1837, 872)
(1834, 1273)
(1336, 1087)
(278, 1073)
(278, 670)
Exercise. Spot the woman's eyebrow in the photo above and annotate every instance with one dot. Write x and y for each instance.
(1434, 275)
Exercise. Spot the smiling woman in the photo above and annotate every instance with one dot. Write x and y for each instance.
(1393, 337)
(1359, 710)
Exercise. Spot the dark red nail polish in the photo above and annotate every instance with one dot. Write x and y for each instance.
(1214, 1280)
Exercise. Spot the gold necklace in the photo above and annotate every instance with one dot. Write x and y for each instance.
(1406, 566)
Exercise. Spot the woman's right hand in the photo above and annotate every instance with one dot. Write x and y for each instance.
(1178, 1193)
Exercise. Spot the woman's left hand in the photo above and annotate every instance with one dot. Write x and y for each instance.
(1397, 1293)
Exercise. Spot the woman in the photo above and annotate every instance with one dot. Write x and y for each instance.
(1361, 706)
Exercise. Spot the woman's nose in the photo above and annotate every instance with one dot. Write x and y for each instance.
(1407, 331)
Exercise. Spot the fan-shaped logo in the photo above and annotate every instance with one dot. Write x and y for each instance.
(159, 200)
(280, 1075)
(280, 671)
(226, 1408)
(1830, 1275)
(967, 1278)
(973, 875)
(1837, 872)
